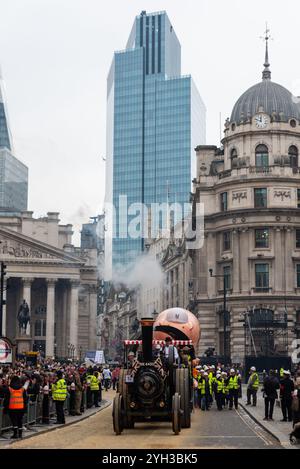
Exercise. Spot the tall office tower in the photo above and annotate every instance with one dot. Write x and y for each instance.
(155, 118)
(13, 173)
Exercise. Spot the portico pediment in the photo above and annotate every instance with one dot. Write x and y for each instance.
(16, 247)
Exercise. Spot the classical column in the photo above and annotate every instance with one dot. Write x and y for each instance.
(211, 264)
(278, 264)
(289, 267)
(65, 334)
(74, 316)
(50, 318)
(27, 297)
(236, 261)
(93, 317)
(244, 257)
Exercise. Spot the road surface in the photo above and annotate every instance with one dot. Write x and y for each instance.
(212, 429)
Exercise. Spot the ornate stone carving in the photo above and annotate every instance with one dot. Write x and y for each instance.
(9, 248)
(282, 194)
(239, 195)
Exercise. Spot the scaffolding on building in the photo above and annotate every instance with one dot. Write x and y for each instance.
(266, 333)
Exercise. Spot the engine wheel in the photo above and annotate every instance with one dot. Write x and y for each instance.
(176, 427)
(123, 389)
(117, 414)
(183, 389)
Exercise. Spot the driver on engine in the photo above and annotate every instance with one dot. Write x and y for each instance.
(168, 342)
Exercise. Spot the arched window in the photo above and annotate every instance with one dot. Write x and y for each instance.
(233, 156)
(261, 155)
(293, 154)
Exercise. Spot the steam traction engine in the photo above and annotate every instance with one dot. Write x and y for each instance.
(152, 388)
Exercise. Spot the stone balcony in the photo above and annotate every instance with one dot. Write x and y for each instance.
(277, 171)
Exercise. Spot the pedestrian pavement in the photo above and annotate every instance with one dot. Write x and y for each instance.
(280, 430)
(34, 430)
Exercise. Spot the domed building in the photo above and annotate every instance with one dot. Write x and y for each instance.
(250, 188)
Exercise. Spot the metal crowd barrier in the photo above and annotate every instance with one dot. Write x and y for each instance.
(34, 413)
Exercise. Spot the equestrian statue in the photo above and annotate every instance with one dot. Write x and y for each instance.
(23, 316)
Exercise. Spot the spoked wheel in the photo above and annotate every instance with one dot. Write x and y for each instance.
(117, 414)
(183, 389)
(176, 426)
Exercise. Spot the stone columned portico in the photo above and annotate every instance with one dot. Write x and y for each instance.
(57, 281)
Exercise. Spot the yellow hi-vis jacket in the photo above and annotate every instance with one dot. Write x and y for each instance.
(219, 385)
(255, 381)
(201, 386)
(59, 390)
(94, 383)
(233, 382)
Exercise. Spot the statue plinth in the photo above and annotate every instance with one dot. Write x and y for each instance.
(24, 342)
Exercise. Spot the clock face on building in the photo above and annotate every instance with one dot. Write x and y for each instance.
(261, 121)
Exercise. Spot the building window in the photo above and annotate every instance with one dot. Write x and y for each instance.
(262, 238)
(226, 241)
(298, 275)
(261, 156)
(262, 277)
(293, 154)
(260, 198)
(38, 327)
(223, 198)
(233, 157)
(298, 198)
(297, 238)
(227, 277)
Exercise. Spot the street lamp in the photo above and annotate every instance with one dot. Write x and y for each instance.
(224, 306)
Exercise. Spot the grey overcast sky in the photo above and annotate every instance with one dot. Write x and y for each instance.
(55, 56)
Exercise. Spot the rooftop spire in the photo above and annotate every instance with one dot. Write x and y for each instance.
(266, 74)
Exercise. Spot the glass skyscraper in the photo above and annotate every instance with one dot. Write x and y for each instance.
(13, 173)
(155, 118)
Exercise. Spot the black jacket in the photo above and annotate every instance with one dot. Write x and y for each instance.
(286, 388)
(271, 384)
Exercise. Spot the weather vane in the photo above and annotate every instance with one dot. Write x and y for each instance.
(267, 34)
(266, 72)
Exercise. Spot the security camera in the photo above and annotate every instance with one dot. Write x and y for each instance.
(210, 272)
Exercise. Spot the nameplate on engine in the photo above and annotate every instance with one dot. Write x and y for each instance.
(129, 379)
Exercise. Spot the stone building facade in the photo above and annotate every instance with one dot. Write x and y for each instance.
(58, 281)
(251, 196)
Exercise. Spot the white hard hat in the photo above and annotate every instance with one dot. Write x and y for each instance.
(213, 366)
(232, 370)
(224, 373)
(205, 367)
(205, 374)
(198, 367)
(286, 372)
(253, 368)
(218, 375)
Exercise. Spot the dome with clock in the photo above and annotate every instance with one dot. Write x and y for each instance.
(268, 97)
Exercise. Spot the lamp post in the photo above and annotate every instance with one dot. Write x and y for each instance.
(224, 307)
